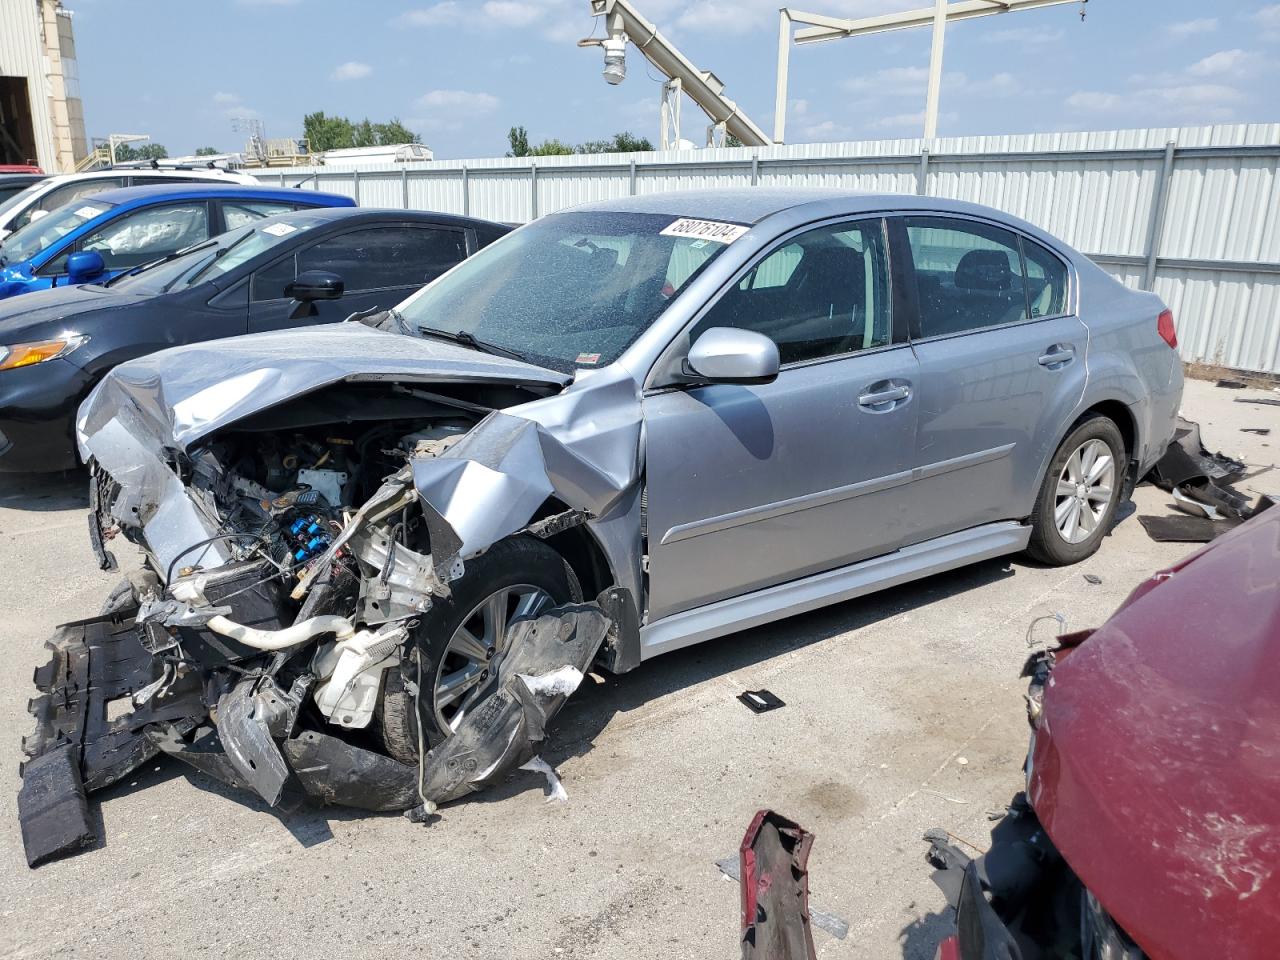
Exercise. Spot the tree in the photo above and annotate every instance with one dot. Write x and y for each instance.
(731, 141)
(207, 151)
(626, 142)
(623, 142)
(518, 137)
(552, 148)
(339, 133)
(148, 151)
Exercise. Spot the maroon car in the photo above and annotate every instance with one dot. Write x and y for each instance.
(1151, 822)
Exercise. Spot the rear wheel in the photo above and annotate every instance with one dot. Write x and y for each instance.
(1078, 498)
(461, 640)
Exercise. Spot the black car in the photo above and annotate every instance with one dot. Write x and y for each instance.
(294, 269)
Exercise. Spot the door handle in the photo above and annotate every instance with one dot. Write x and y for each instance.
(1057, 356)
(880, 397)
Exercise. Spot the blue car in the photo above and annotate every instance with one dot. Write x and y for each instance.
(93, 239)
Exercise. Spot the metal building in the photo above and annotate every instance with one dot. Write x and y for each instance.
(41, 114)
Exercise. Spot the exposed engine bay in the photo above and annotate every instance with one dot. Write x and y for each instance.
(317, 639)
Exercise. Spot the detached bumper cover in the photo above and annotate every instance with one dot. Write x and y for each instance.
(78, 744)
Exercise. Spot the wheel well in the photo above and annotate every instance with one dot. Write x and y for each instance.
(1119, 414)
(581, 551)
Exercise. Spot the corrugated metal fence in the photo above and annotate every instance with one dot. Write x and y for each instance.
(1193, 213)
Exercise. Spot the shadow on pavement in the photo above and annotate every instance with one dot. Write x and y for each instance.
(44, 492)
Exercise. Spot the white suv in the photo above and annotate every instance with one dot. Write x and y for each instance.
(49, 194)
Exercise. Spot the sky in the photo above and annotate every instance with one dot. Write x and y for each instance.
(462, 72)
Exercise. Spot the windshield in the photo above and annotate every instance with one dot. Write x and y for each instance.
(18, 200)
(25, 243)
(207, 260)
(570, 291)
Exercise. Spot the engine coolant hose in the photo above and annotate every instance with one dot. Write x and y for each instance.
(287, 637)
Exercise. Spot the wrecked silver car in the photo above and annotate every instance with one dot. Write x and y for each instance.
(380, 555)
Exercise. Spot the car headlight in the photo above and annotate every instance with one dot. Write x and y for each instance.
(25, 354)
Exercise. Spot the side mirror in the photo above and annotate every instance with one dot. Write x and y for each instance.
(315, 285)
(728, 355)
(85, 267)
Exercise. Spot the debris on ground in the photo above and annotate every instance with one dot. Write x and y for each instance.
(760, 701)
(771, 867)
(1268, 401)
(1260, 431)
(1092, 578)
(1231, 384)
(1201, 485)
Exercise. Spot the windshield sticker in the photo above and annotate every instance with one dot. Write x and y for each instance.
(280, 229)
(587, 359)
(705, 230)
(88, 213)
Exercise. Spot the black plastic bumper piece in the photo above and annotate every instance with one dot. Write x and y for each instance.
(77, 747)
(53, 810)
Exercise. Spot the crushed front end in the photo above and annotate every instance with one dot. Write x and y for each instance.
(301, 560)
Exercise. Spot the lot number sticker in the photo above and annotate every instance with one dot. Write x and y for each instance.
(280, 229)
(705, 230)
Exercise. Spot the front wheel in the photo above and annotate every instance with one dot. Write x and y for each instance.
(461, 640)
(1077, 500)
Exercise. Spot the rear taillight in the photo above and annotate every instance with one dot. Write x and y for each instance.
(1164, 326)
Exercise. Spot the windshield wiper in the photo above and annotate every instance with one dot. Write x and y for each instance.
(467, 340)
(159, 260)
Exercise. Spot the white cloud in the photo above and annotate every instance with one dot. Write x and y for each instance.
(458, 101)
(1223, 63)
(559, 21)
(514, 13)
(230, 105)
(1191, 28)
(745, 16)
(351, 70)
(268, 3)
(1269, 19)
(1091, 101)
(1024, 36)
(898, 121)
(448, 12)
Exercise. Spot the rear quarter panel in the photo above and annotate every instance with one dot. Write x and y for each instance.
(1127, 359)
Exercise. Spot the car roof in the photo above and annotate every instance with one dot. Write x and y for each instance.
(317, 215)
(751, 205)
(213, 173)
(138, 196)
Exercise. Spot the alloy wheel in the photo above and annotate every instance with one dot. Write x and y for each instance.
(477, 646)
(1084, 491)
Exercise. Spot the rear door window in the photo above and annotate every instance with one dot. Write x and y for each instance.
(375, 258)
(149, 234)
(969, 275)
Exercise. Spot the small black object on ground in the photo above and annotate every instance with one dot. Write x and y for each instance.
(1268, 401)
(1260, 431)
(760, 701)
(1231, 384)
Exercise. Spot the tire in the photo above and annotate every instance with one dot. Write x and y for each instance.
(516, 562)
(1049, 543)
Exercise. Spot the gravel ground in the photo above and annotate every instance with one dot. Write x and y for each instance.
(904, 711)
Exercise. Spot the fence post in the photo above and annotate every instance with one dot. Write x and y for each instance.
(755, 169)
(533, 190)
(355, 186)
(466, 191)
(1158, 204)
(632, 166)
(404, 187)
(281, 179)
(922, 186)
